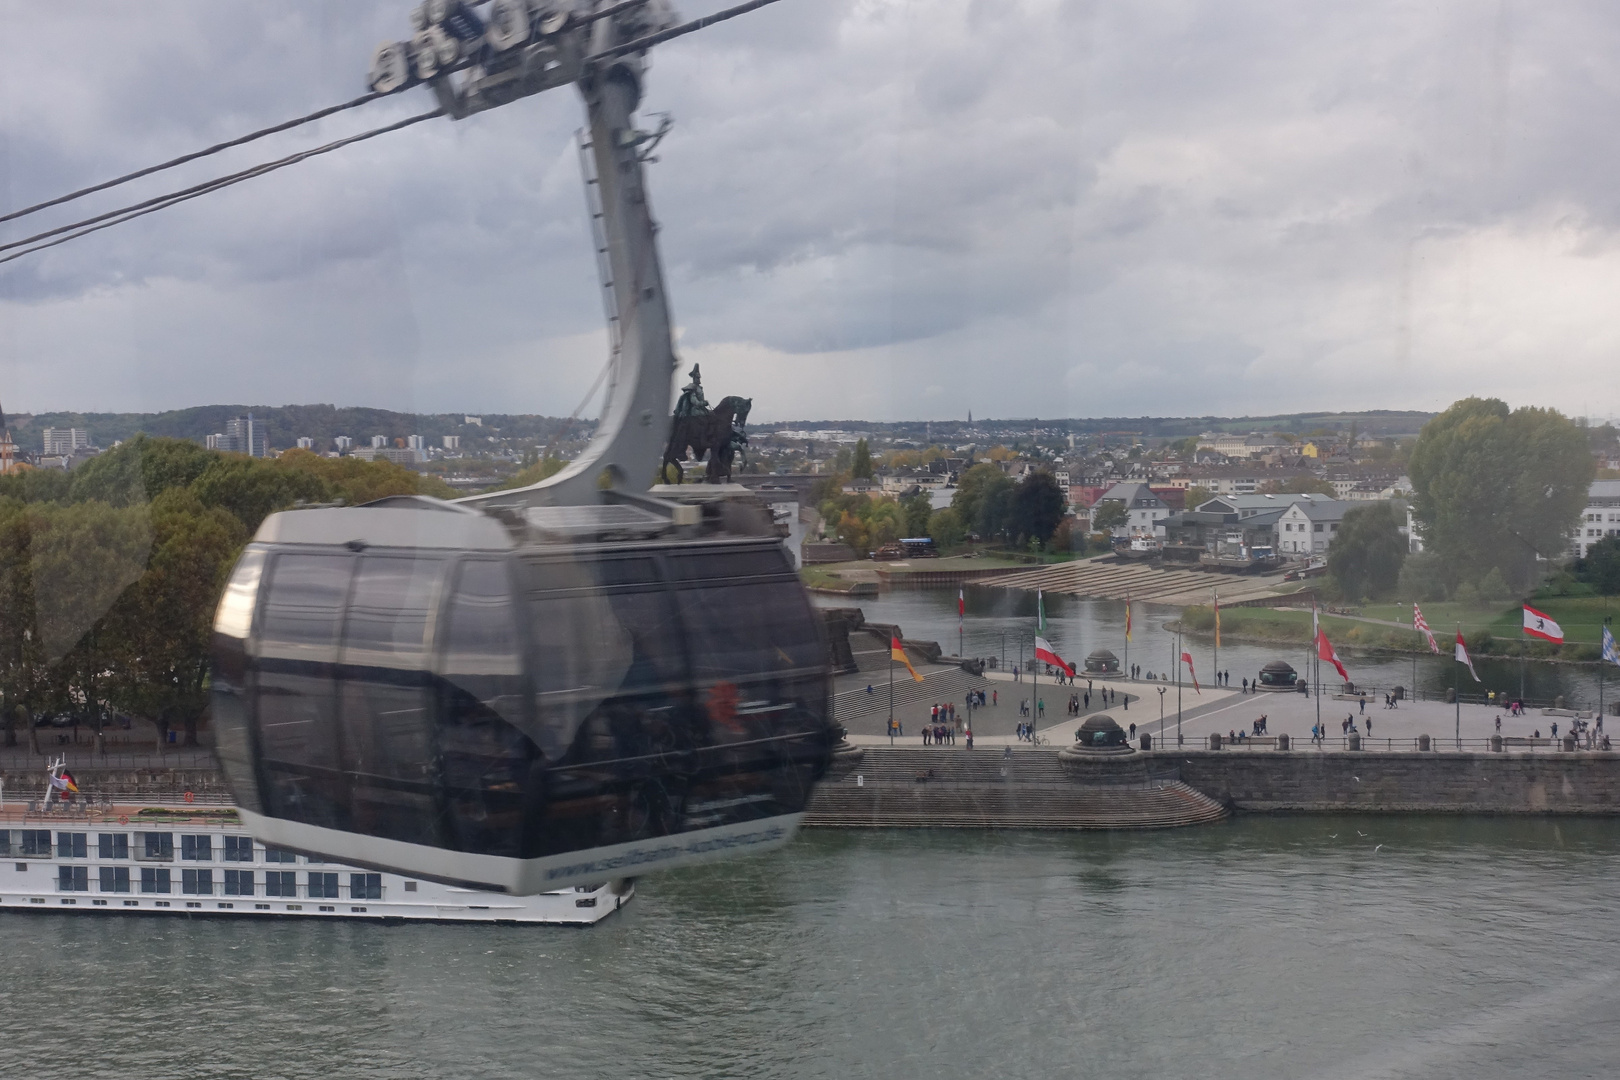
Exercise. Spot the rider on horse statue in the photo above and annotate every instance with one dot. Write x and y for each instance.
(719, 433)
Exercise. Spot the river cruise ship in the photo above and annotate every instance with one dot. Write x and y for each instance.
(173, 857)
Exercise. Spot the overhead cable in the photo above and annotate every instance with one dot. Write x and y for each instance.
(162, 202)
(285, 125)
(649, 40)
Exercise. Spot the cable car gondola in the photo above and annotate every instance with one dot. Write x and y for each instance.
(530, 689)
(575, 694)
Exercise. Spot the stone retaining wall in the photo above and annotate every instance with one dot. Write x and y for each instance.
(1381, 782)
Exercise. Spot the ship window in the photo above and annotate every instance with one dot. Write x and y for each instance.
(73, 879)
(365, 887)
(154, 879)
(155, 845)
(72, 845)
(238, 883)
(197, 882)
(387, 743)
(113, 845)
(272, 854)
(197, 848)
(239, 849)
(5, 843)
(410, 886)
(280, 883)
(115, 879)
(303, 610)
(323, 885)
(36, 843)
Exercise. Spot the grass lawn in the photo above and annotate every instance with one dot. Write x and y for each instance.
(1580, 616)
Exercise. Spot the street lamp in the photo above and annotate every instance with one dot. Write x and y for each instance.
(1161, 716)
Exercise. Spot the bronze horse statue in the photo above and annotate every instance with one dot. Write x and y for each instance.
(717, 432)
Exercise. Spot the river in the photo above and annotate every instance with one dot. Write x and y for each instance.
(1002, 618)
(1265, 947)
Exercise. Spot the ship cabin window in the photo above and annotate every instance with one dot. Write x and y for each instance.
(280, 883)
(154, 846)
(197, 882)
(238, 883)
(73, 879)
(113, 846)
(72, 845)
(410, 886)
(35, 843)
(155, 879)
(115, 879)
(272, 854)
(197, 848)
(323, 885)
(365, 887)
(239, 849)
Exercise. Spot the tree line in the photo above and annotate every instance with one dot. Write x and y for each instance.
(109, 574)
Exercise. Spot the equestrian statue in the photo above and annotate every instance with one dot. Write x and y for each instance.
(719, 432)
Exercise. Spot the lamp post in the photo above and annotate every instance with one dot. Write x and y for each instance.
(1161, 717)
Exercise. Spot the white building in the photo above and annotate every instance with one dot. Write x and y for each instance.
(1600, 518)
(343, 443)
(1145, 511)
(452, 442)
(305, 442)
(63, 441)
(413, 442)
(379, 441)
(1308, 526)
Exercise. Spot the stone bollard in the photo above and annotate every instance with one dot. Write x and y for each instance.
(1496, 744)
(1569, 744)
(1215, 741)
(1423, 743)
(1282, 742)
(1355, 741)
(1147, 742)
(1451, 695)
(1558, 702)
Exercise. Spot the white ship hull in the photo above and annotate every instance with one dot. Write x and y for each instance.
(179, 862)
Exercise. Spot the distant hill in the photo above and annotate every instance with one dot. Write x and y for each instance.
(1378, 423)
(285, 424)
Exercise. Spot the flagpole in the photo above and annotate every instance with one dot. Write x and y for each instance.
(1178, 683)
(1128, 643)
(891, 696)
(1216, 593)
(1456, 692)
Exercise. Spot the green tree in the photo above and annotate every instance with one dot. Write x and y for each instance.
(1297, 485)
(1109, 515)
(861, 462)
(1496, 488)
(1198, 495)
(916, 510)
(971, 489)
(996, 511)
(1422, 578)
(1037, 507)
(1367, 552)
(945, 526)
(1601, 567)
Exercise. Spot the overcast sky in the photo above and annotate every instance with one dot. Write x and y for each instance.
(877, 209)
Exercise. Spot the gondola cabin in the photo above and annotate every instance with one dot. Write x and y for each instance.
(519, 701)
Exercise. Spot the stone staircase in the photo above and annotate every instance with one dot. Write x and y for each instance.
(1111, 578)
(892, 787)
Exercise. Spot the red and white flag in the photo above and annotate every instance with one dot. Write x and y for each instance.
(1186, 658)
(961, 602)
(1044, 652)
(1421, 625)
(1538, 624)
(1462, 655)
(1325, 650)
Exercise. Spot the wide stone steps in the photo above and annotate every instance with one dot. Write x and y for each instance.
(921, 787)
(1114, 580)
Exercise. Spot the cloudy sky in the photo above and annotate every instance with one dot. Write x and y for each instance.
(871, 208)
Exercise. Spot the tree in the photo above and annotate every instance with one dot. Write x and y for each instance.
(1367, 553)
(971, 489)
(946, 528)
(861, 462)
(1601, 567)
(1198, 495)
(1037, 507)
(996, 511)
(1109, 515)
(916, 510)
(1496, 488)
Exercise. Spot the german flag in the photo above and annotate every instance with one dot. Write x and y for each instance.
(898, 652)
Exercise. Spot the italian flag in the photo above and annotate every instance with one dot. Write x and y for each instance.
(1044, 652)
(1538, 624)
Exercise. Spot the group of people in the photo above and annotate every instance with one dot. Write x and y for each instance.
(945, 735)
(1080, 701)
(1026, 732)
(1040, 708)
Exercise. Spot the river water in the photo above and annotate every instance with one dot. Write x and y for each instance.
(1000, 619)
(1263, 947)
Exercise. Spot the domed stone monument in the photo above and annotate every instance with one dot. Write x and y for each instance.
(1278, 676)
(1102, 664)
(1099, 736)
